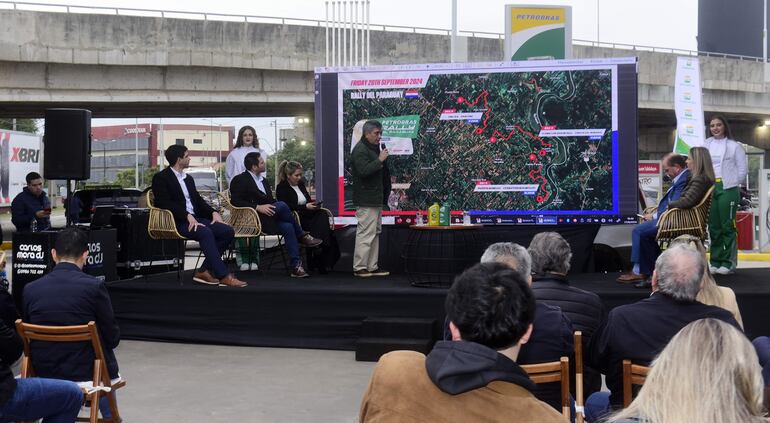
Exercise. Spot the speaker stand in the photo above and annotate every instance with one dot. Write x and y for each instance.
(69, 204)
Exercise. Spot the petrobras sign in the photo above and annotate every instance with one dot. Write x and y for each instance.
(538, 32)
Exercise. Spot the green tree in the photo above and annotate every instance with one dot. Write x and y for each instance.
(126, 178)
(294, 150)
(22, 125)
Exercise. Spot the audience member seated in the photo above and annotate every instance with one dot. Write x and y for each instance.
(64, 297)
(762, 346)
(639, 331)
(707, 373)
(552, 335)
(195, 219)
(644, 248)
(551, 255)
(54, 401)
(31, 208)
(249, 189)
(711, 293)
(475, 376)
(291, 190)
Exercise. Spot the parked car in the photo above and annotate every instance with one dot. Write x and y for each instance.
(207, 183)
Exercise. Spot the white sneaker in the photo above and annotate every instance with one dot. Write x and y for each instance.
(724, 271)
(712, 269)
(244, 267)
(254, 266)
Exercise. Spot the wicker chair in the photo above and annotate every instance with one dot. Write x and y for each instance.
(244, 220)
(675, 222)
(163, 226)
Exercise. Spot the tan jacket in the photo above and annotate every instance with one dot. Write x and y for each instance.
(401, 391)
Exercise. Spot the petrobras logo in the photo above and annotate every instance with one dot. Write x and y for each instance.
(688, 64)
(688, 114)
(688, 79)
(689, 130)
(687, 96)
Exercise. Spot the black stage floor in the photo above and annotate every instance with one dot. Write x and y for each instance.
(325, 311)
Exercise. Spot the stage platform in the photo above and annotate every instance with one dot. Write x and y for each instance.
(325, 311)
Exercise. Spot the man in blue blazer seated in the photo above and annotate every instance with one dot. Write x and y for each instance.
(644, 248)
(64, 297)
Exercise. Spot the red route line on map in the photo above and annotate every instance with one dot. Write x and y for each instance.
(504, 137)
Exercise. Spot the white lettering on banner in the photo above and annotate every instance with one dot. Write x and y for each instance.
(506, 188)
(571, 132)
(135, 130)
(30, 252)
(95, 254)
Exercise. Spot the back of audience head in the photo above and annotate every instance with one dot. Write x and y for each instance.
(71, 245)
(708, 372)
(679, 273)
(551, 253)
(512, 255)
(709, 292)
(490, 304)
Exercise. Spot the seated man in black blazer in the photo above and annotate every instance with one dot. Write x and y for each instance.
(194, 218)
(66, 296)
(641, 330)
(249, 189)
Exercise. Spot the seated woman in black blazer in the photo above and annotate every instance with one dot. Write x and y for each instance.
(291, 190)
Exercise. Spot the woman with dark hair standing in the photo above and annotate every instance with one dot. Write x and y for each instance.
(730, 169)
(246, 142)
(292, 191)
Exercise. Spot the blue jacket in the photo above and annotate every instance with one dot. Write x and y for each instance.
(67, 296)
(674, 192)
(24, 207)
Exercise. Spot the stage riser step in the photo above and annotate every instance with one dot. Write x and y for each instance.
(398, 327)
(371, 349)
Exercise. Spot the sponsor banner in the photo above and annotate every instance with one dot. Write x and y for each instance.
(572, 132)
(20, 153)
(506, 188)
(688, 105)
(400, 126)
(538, 32)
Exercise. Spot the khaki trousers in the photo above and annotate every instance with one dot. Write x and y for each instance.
(367, 247)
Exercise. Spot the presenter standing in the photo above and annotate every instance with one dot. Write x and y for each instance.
(730, 169)
(366, 167)
(246, 142)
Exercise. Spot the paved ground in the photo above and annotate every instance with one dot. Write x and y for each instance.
(205, 383)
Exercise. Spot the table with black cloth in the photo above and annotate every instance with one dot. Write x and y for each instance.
(434, 255)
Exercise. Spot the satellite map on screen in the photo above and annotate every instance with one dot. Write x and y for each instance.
(509, 141)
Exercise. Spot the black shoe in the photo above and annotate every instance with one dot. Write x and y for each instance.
(643, 284)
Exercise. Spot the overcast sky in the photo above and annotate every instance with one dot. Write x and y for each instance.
(657, 23)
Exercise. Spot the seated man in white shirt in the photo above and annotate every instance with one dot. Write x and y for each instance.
(194, 218)
(249, 189)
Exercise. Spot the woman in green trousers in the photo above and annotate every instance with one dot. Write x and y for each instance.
(730, 169)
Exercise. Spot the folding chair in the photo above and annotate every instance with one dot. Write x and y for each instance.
(244, 220)
(554, 371)
(82, 333)
(579, 410)
(633, 374)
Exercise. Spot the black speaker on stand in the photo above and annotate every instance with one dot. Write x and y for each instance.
(67, 147)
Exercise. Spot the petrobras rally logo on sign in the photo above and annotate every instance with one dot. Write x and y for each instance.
(687, 96)
(688, 79)
(688, 114)
(30, 252)
(689, 130)
(95, 255)
(688, 64)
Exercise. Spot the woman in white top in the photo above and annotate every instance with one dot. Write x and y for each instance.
(730, 169)
(246, 142)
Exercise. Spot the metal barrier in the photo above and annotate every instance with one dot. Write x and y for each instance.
(179, 14)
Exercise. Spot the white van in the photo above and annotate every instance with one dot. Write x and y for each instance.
(207, 184)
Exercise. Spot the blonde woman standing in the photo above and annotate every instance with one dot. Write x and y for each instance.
(730, 169)
(709, 372)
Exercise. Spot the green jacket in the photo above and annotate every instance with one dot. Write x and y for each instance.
(366, 169)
